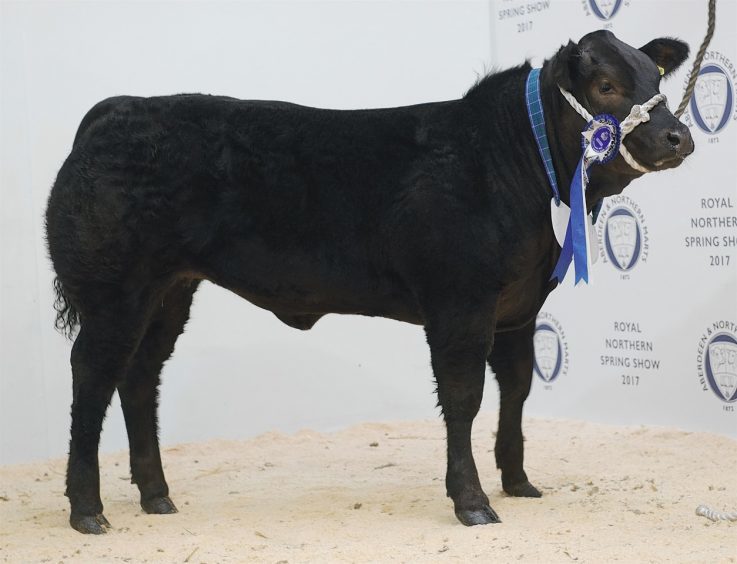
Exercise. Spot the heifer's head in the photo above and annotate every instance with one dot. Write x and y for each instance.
(609, 76)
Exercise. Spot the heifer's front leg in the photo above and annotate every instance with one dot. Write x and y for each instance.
(459, 345)
(511, 360)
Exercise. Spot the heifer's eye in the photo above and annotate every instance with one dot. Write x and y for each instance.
(605, 88)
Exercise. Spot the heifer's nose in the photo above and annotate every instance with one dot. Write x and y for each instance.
(680, 140)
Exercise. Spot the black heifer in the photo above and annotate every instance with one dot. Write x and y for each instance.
(435, 214)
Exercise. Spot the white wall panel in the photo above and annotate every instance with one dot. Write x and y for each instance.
(237, 371)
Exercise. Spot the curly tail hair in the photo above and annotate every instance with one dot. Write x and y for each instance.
(67, 318)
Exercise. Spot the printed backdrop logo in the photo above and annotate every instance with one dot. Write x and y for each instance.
(521, 15)
(713, 98)
(623, 238)
(717, 360)
(551, 349)
(713, 102)
(604, 10)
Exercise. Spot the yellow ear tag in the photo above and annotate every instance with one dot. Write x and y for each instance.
(662, 70)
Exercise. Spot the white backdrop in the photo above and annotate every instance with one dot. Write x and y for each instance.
(237, 371)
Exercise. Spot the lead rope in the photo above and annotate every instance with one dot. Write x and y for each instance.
(703, 510)
(699, 58)
(714, 515)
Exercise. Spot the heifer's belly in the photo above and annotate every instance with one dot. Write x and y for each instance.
(300, 286)
(299, 282)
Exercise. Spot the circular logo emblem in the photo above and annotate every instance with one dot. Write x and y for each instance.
(720, 366)
(605, 9)
(551, 353)
(622, 238)
(601, 139)
(713, 99)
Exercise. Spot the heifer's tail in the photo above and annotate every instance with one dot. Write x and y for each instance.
(67, 318)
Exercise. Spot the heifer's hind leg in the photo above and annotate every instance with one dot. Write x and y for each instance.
(139, 395)
(511, 360)
(103, 348)
(459, 346)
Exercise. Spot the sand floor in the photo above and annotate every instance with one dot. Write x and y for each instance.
(375, 492)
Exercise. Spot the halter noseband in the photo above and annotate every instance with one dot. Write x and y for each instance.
(640, 113)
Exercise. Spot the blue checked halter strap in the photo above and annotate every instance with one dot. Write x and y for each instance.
(537, 120)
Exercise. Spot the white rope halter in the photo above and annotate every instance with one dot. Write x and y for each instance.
(638, 114)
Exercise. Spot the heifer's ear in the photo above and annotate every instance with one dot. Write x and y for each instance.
(667, 53)
(565, 65)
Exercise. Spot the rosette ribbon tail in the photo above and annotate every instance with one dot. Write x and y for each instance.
(566, 255)
(577, 223)
(576, 243)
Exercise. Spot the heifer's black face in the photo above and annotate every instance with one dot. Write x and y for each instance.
(609, 76)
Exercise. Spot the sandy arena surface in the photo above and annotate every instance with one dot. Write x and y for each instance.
(375, 492)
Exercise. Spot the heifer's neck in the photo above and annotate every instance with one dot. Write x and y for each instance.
(564, 126)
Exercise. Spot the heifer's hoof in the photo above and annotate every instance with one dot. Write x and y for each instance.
(90, 524)
(523, 489)
(159, 505)
(482, 516)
